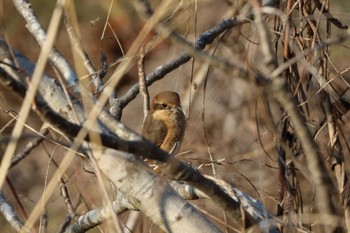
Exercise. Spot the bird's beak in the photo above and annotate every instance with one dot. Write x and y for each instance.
(179, 108)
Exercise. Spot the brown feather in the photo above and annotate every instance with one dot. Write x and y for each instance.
(154, 130)
(165, 123)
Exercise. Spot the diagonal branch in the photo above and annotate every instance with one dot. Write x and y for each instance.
(25, 9)
(133, 143)
(205, 39)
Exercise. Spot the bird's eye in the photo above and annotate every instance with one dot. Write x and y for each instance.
(164, 106)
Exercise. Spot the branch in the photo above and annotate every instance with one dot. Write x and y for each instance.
(253, 207)
(28, 148)
(151, 194)
(71, 24)
(203, 40)
(35, 28)
(10, 215)
(142, 82)
(279, 91)
(328, 15)
(126, 140)
(48, 87)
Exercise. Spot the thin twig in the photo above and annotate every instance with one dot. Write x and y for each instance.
(142, 82)
(28, 148)
(25, 9)
(328, 15)
(62, 228)
(281, 93)
(71, 23)
(33, 87)
(65, 194)
(203, 40)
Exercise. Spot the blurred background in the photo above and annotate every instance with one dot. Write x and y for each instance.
(237, 135)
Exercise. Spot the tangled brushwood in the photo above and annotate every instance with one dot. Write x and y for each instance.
(258, 143)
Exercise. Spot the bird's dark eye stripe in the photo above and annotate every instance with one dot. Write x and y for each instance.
(160, 106)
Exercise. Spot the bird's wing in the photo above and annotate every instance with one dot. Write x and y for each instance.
(154, 130)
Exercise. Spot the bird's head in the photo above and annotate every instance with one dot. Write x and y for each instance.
(166, 100)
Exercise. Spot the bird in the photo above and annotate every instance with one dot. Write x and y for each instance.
(165, 123)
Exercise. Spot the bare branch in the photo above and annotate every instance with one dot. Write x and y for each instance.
(29, 147)
(26, 10)
(71, 24)
(280, 92)
(142, 82)
(328, 15)
(162, 70)
(10, 215)
(130, 142)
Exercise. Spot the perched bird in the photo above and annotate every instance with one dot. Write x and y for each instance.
(165, 123)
